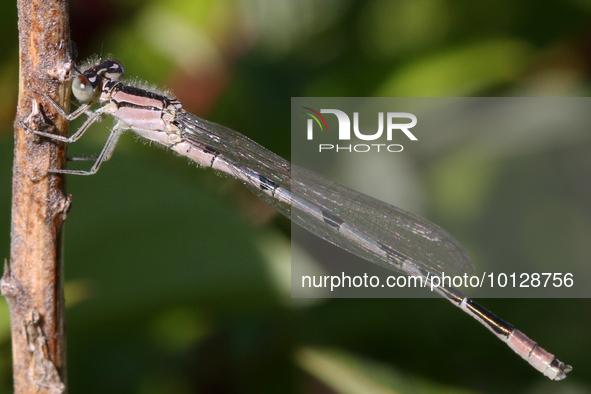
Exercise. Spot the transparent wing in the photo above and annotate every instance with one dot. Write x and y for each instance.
(360, 224)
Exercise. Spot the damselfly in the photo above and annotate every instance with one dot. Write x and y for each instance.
(360, 224)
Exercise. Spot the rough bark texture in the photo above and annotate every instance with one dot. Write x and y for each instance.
(33, 281)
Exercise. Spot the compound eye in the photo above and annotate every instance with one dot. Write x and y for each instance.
(83, 89)
(112, 70)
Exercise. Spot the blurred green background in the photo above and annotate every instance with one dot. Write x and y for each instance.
(176, 277)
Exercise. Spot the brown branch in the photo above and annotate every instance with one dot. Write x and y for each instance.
(33, 282)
